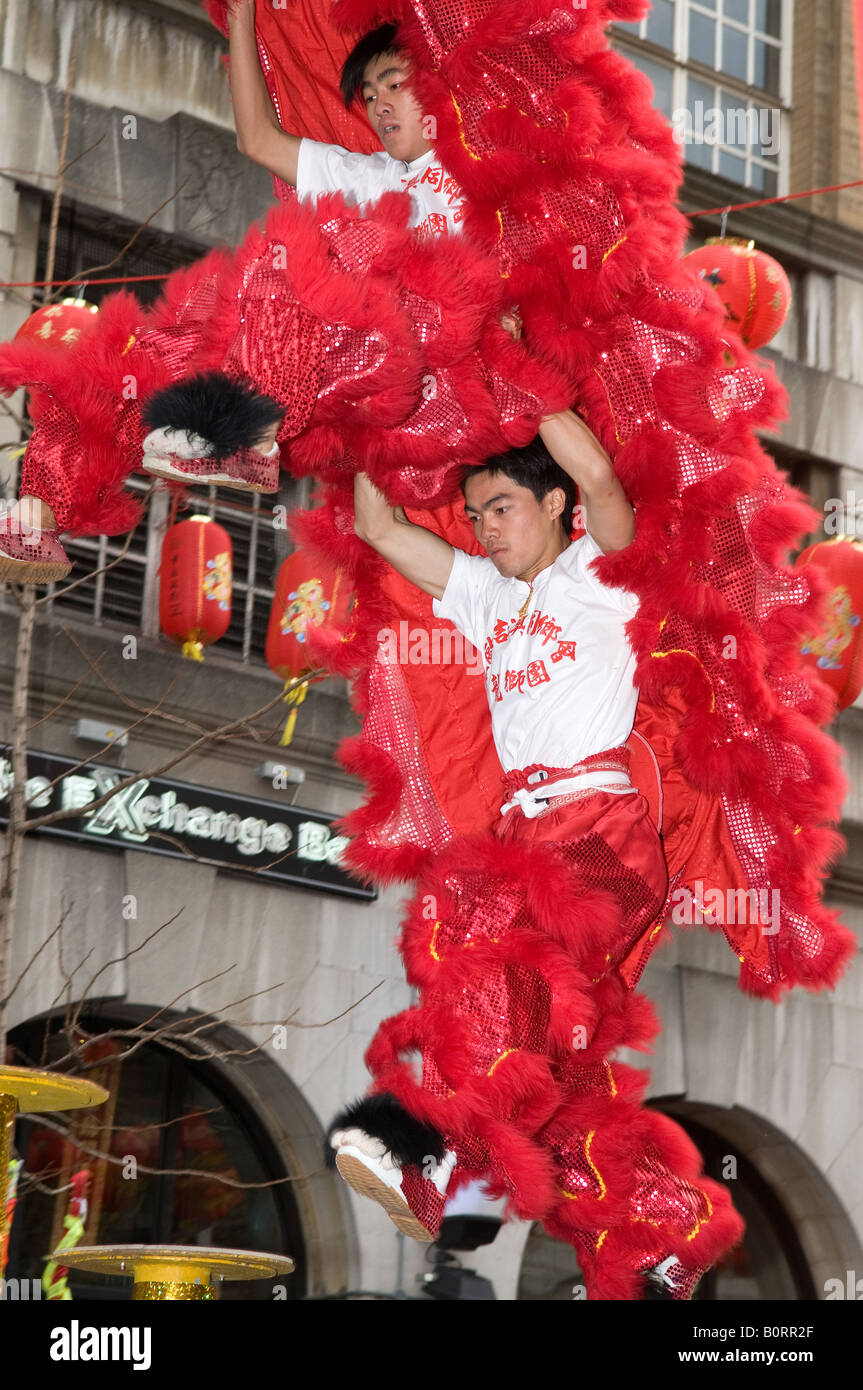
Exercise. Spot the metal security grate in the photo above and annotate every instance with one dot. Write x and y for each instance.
(127, 595)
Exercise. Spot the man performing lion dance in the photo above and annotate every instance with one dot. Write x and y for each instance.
(545, 848)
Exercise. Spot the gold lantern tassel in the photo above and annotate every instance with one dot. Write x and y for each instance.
(194, 649)
(293, 697)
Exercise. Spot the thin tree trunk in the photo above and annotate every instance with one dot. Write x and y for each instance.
(14, 838)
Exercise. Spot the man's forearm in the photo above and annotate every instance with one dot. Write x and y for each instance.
(254, 114)
(576, 449)
(421, 556)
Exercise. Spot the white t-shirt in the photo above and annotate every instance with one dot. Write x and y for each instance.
(436, 198)
(560, 680)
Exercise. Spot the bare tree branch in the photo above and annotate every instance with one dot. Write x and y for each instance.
(132, 951)
(36, 955)
(220, 735)
(93, 269)
(183, 723)
(19, 421)
(59, 705)
(92, 574)
(58, 174)
(119, 1161)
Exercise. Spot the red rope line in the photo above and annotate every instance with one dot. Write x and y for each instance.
(114, 280)
(705, 212)
(783, 198)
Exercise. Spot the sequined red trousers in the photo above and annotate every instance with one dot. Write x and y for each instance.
(526, 946)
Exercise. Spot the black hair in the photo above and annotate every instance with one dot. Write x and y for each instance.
(533, 467)
(372, 45)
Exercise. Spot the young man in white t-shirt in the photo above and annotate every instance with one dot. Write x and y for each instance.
(551, 634)
(378, 74)
(375, 73)
(560, 684)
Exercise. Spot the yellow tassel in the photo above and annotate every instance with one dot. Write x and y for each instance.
(293, 697)
(193, 649)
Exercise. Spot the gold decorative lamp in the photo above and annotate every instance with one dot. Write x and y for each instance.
(175, 1272)
(24, 1091)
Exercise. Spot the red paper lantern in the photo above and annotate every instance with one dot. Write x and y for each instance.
(753, 286)
(59, 325)
(195, 584)
(836, 652)
(308, 595)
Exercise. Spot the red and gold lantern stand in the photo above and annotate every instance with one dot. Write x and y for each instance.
(309, 594)
(195, 584)
(835, 653)
(752, 285)
(168, 1273)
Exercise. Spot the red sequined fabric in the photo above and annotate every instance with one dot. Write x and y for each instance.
(390, 727)
(278, 344)
(47, 473)
(521, 1001)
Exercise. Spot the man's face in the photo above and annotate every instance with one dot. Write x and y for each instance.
(513, 527)
(393, 113)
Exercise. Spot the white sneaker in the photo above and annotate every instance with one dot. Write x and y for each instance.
(414, 1201)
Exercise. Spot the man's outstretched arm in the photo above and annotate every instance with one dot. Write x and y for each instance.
(259, 134)
(608, 513)
(421, 556)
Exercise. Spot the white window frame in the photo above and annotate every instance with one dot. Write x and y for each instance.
(682, 68)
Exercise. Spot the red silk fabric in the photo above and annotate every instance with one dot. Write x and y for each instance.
(302, 53)
(307, 85)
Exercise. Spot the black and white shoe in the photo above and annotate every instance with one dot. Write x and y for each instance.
(181, 456)
(663, 1282)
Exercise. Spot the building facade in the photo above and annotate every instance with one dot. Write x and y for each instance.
(229, 1010)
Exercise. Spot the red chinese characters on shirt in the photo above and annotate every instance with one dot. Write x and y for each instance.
(511, 681)
(433, 225)
(436, 223)
(440, 181)
(534, 673)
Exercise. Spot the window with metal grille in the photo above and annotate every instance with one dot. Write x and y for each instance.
(92, 240)
(125, 593)
(259, 547)
(723, 127)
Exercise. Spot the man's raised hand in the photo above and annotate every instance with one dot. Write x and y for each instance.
(609, 517)
(419, 555)
(259, 135)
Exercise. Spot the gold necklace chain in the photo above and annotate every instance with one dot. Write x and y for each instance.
(521, 611)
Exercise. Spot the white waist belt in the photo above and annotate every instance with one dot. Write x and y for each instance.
(533, 804)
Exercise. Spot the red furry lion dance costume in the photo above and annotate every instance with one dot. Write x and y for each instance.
(517, 944)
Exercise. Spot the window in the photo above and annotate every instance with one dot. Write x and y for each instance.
(723, 125)
(87, 239)
(658, 27)
(127, 595)
(164, 1113)
(662, 77)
